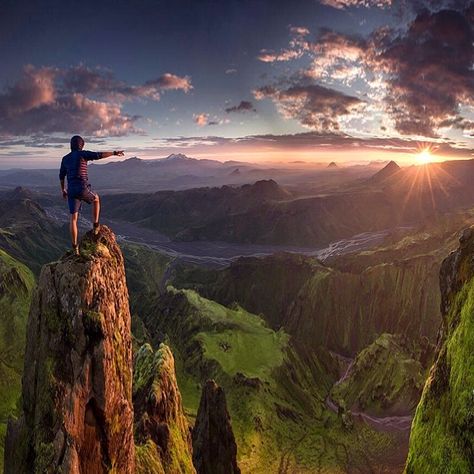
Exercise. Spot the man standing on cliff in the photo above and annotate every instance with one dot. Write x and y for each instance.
(74, 166)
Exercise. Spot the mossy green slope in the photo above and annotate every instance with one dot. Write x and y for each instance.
(442, 436)
(392, 288)
(386, 378)
(145, 270)
(275, 390)
(16, 286)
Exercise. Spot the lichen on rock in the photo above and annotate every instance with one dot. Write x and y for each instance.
(77, 383)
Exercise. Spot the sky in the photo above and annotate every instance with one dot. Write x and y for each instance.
(251, 80)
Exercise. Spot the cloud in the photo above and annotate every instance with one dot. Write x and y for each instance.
(76, 100)
(418, 78)
(268, 56)
(340, 4)
(201, 119)
(429, 72)
(100, 82)
(231, 71)
(296, 50)
(299, 30)
(35, 89)
(336, 56)
(171, 82)
(313, 105)
(244, 106)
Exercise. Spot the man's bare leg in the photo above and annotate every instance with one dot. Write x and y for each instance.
(73, 229)
(96, 213)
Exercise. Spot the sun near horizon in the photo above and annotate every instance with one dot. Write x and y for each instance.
(424, 157)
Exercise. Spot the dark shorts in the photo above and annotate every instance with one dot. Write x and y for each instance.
(75, 197)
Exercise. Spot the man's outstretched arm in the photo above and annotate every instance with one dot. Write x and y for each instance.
(98, 155)
(106, 154)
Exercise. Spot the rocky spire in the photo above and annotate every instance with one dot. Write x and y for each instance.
(77, 383)
(161, 430)
(214, 447)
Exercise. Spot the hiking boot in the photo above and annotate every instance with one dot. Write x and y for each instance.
(95, 228)
(75, 249)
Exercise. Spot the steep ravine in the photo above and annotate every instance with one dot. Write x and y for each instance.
(303, 296)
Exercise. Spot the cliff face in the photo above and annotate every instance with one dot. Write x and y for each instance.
(215, 451)
(77, 382)
(303, 296)
(161, 430)
(442, 436)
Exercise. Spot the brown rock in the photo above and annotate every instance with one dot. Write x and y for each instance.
(214, 447)
(77, 382)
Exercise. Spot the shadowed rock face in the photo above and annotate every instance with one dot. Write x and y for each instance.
(442, 436)
(77, 383)
(214, 448)
(161, 430)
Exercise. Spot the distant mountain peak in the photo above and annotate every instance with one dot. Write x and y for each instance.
(267, 189)
(332, 165)
(177, 157)
(388, 170)
(392, 165)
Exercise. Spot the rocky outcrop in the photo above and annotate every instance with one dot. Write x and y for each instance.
(214, 447)
(386, 378)
(442, 436)
(161, 431)
(77, 382)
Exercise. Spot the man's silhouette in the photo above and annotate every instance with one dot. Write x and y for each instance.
(74, 166)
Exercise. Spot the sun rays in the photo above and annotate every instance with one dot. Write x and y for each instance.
(425, 185)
